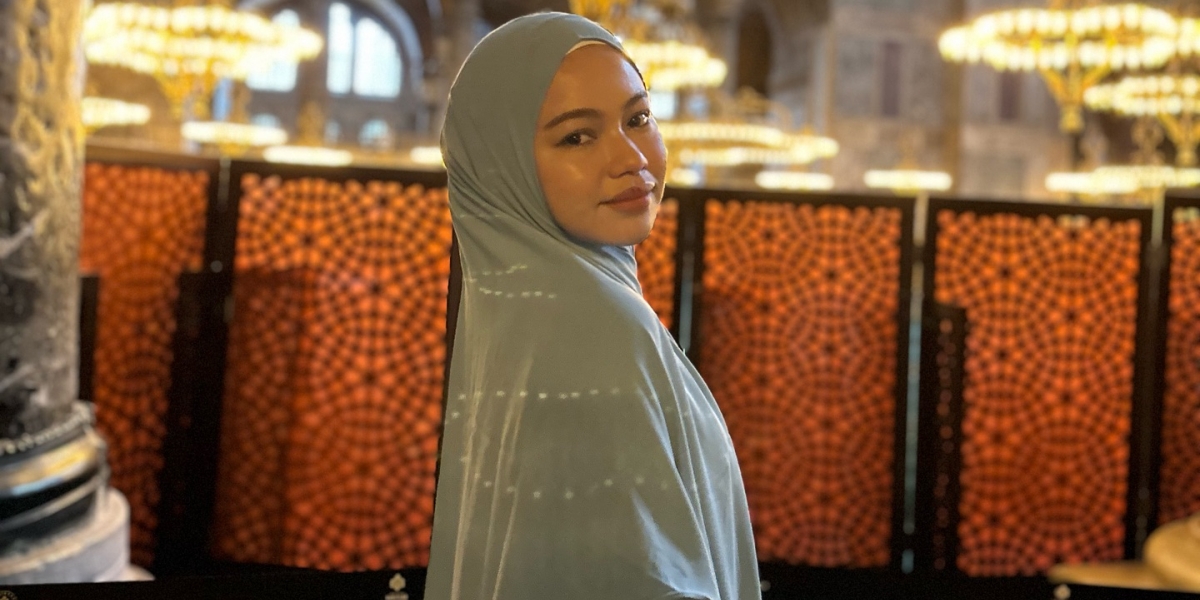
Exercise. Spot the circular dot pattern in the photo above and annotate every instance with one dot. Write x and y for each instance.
(798, 343)
(336, 365)
(1052, 308)
(656, 262)
(142, 227)
(1179, 485)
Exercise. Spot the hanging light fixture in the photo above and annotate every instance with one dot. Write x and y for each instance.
(668, 48)
(1091, 184)
(1172, 96)
(1142, 182)
(234, 136)
(745, 129)
(907, 176)
(1074, 44)
(308, 149)
(908, 181)
(427, 155)
(232, 139)
(188, 48)
(100, 112)
(793, 180)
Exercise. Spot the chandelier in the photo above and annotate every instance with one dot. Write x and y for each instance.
(684, 177)
(1152, 177)
(908, 181)
(232, 139)
(1073, 46)
(234, 136)
(668, 49)
(1091, 183)
(745, 129)
(793, 180)
(1173, 99)
(1189, 37)
(430, 156)
(187, 49)
(1141, 182)
(100, 112)
(1172, 96)
(907, 177)
(308, 149)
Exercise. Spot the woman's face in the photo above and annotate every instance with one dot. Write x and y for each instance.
(600, 158)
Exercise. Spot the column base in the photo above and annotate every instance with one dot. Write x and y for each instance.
(94, 550)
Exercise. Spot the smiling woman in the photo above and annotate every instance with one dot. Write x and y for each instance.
(583, 456)
(600, 157)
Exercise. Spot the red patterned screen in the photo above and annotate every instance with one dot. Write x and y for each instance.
(142, 227)
(799, 342)
(656, 262)
(1052, 307)
(336, 362)
(1179, 482)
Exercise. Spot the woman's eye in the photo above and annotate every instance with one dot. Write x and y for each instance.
(641, 119)
(577, 138)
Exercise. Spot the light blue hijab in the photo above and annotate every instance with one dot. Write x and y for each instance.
(583, 457)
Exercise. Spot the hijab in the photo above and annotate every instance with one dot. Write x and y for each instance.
(583, 457)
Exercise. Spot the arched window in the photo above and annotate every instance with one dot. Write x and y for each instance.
(222, 99)
(375, 134)
(664, 105)
(333, 132)
(281, 76)
(363, 57)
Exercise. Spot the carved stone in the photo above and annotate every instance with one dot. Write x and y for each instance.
(40, 155)
(58, 520)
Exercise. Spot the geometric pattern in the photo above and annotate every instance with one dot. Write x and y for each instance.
(1179, 479)
(142, 228)
(332, 406)
(656, 262)
(1052, 308)
(799, 344)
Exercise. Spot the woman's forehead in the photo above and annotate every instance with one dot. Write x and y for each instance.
(594, 74)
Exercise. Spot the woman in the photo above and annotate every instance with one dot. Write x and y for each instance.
(583, 457)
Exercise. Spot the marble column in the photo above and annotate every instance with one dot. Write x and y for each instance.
(58, 520)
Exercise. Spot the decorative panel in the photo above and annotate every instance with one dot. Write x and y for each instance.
(336, 368)
(1179, 478)
(142, 227)
(1049, 373)
(656, 262)
(799, 341)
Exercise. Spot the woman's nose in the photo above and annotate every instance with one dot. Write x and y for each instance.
(625, 156)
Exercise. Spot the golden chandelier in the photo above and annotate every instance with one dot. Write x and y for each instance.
(667, 47)
(745, 129)
(187, 49)
(1073, 44)
(98, 113)
(1172, 96)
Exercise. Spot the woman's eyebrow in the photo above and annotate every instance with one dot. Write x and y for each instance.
(580, 113)
(577, 113)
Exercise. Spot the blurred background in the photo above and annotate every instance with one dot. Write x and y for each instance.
(934, 257)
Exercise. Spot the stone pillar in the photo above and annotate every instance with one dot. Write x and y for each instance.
(58, 520)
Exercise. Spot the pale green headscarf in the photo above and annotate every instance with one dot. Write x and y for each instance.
(583, 457)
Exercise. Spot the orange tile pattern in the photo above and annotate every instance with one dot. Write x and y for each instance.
(336, 361)
(1052, 307)
(1179, 482)
(798, 340)
(656, 262)
(142, 227)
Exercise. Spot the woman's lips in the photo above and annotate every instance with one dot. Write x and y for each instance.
(635, 199)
